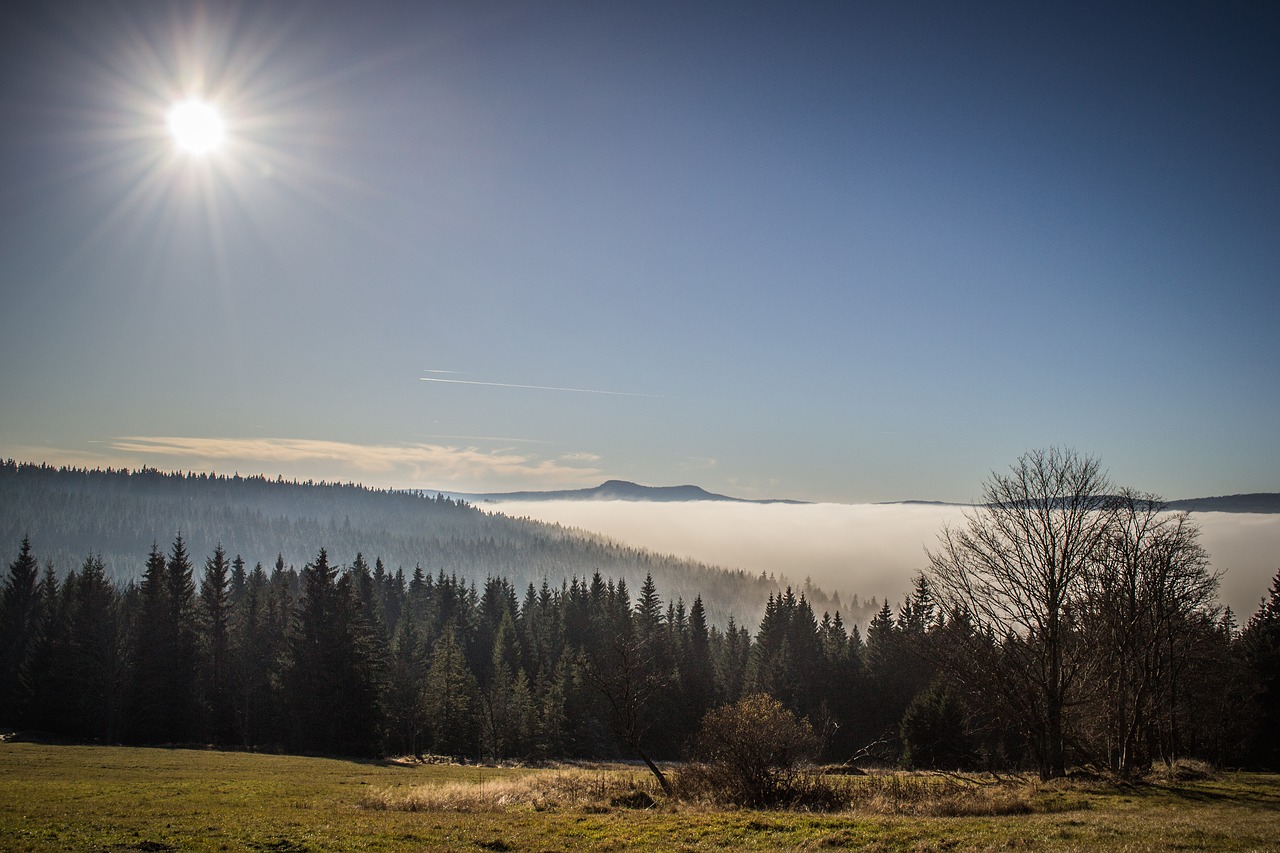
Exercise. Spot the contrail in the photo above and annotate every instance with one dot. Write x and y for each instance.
(534, 387)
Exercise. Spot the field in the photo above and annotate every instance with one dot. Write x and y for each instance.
(122, 799)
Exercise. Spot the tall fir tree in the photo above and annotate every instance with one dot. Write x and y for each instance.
(215, 645)
(1260, 642)
(163, 697)
(19, 635)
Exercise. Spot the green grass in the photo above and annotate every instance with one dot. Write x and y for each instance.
(120, 799)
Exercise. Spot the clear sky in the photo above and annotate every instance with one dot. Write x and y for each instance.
(829, 251)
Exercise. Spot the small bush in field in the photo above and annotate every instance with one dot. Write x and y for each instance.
(748, 755)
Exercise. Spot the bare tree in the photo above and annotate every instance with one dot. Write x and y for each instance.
(1013, 571)
(1142, 599)
(622, 670)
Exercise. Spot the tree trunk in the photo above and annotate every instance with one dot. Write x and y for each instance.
(653, 768)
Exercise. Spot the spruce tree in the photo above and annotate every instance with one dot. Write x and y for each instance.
(1260, 641)
(215, 635)
(19, 634)
(163, 708)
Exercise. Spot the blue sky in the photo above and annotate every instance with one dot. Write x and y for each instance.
(843, 252)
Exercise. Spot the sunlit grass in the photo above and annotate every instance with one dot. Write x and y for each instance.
(111, 798)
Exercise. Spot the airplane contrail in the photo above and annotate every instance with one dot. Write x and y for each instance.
(534, 387)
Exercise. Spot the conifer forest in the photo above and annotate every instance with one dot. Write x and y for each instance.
(1105, 649)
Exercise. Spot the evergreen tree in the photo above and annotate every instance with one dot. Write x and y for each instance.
(889, 674)
(239, 580)
(20, 610)
(46, 697)
(333, 679)
(163, 700)
(1260, 642)
(215, 646)
(255, 652)
(90, 666)
(450, 692)
(407, 676)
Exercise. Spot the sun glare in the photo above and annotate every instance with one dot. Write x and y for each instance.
(196, 127)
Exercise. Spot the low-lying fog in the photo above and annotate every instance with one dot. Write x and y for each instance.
(867, 549)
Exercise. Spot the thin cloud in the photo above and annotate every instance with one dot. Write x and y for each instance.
(58, 456)
(534, 387)
(420, 465)
(493, 438)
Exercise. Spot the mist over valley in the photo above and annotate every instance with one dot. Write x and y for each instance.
(867, 549)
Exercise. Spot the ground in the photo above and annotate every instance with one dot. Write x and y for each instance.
(55, 797)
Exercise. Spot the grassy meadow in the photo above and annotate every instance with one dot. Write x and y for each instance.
(121, 799)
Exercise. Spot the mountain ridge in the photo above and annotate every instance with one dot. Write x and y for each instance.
(625, 490)
(613, 490)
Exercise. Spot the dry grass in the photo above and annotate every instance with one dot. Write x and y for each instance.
(57, 798)
(935, 795)
(599, 790)
(1183, 770)
(588, 790)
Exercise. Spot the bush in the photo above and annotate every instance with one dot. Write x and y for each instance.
(747, 755)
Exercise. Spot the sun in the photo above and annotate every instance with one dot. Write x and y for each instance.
(196, 127)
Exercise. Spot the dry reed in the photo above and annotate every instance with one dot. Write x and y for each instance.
(899, 794)
(541, 791)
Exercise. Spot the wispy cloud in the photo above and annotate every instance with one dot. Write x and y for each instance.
(580, 456)
(70, 458)
(499, 439)
(466, 467)
(532, 387)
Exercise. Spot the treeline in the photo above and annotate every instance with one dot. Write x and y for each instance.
(72, 512)
(361, 661)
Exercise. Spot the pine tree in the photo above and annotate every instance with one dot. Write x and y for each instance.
(20, 611)
(501, 715)
(88, 661)
(450, 691)
(255, 652)
(164, 680)
(215, 634)
(406, 700)
(1260, 641)
(334, 680)
(183, 679)
(697, 671)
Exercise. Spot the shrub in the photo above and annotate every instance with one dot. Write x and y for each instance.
(747, 754)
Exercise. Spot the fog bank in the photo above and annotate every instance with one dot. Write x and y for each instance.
(867, 549)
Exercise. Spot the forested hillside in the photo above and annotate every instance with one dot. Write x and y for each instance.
(1064, 625)
(69, 514)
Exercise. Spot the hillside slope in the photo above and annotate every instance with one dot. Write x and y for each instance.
(72, 513)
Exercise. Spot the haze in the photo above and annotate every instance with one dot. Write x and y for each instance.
(867, 549)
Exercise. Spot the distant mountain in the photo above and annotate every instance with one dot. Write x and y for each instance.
(1266, 502)
(616, 490)
(622, 490)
